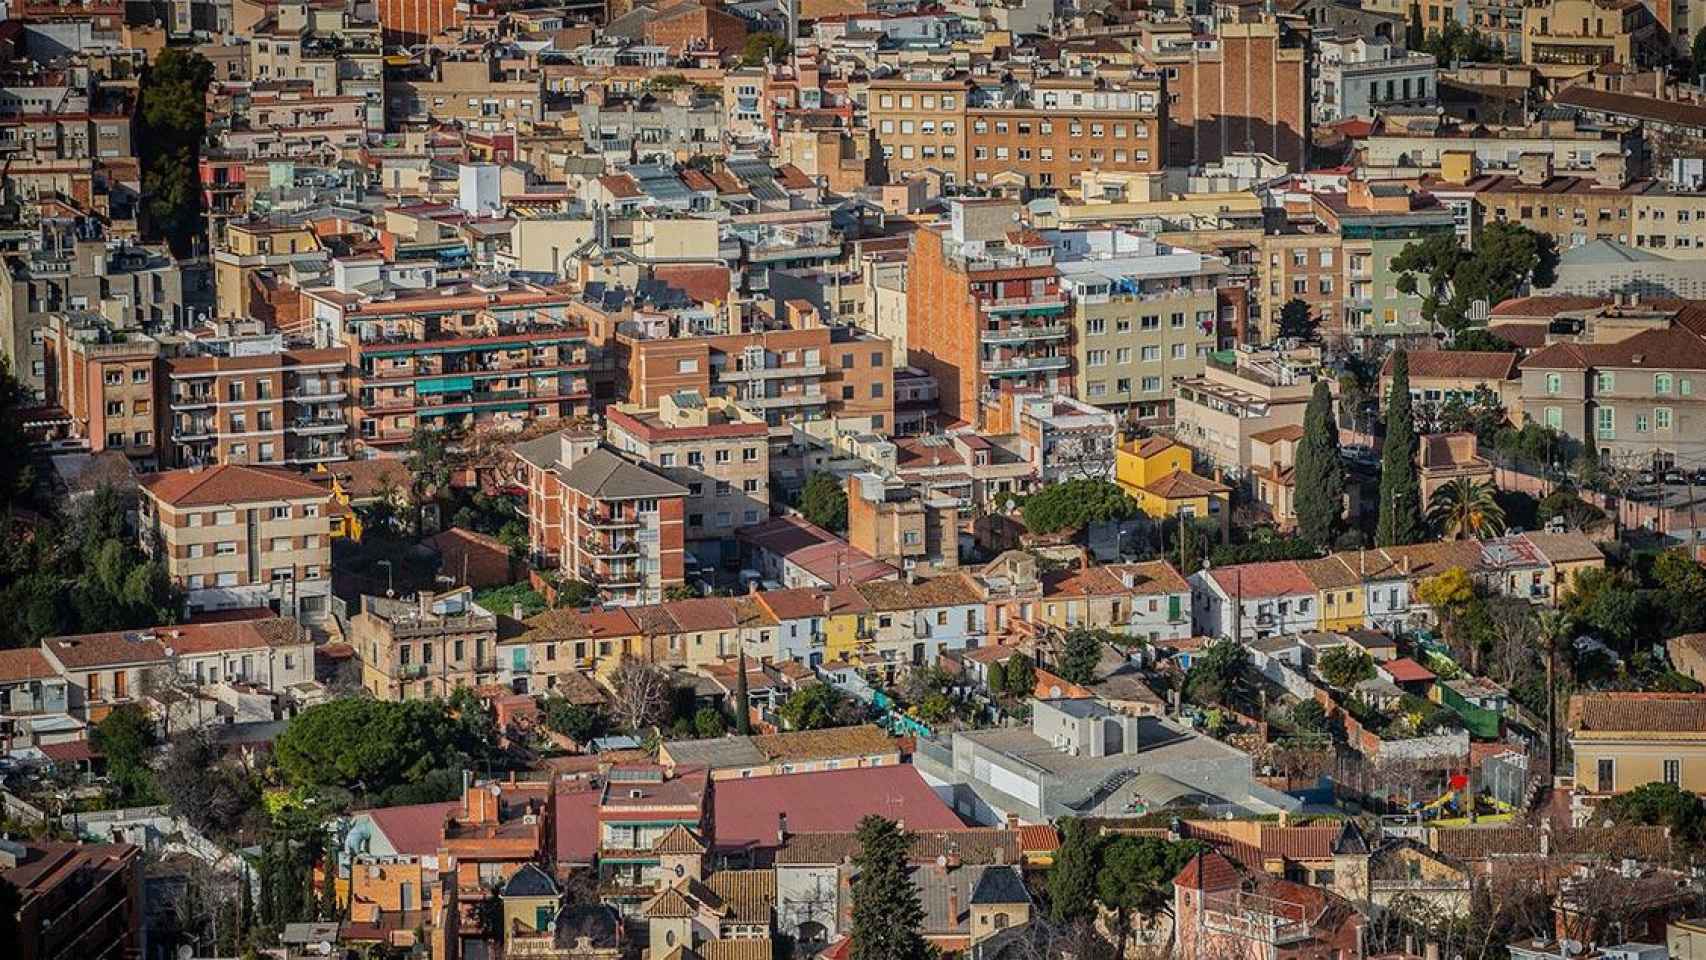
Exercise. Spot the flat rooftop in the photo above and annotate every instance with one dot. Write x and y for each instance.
(1161, 743)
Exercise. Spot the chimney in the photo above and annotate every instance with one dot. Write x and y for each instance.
(954, 908)
(1545, 840)
(1534, 169)
(1012, 821)
(1000, 854)
(516, 611)
(782, 827)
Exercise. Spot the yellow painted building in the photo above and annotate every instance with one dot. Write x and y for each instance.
(1622, 740)
(1157, 473)
(1339, 593)
(844, 624)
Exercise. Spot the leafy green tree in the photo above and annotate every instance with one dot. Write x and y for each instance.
(763, 47)
(1080, 652)
(1608, 604)
(1021, 676)
(1071, 504)
(824, 502)
(1567, 505)
(369, 745)
(576, 593)
(1662, 805)
(1414, 34)
(1698, 59)
(126, 738)
(887, 912)
(1072, 878)
(1345, 667)
(430, 463)
(1320, 473)
(1136, 877)
(1464, 508)
(1309, 718)
(1400, 487)
(935, 707)
(995, 677)
(1298, 322)
(212, 796)
(1217, 673)
(579, 723)
(16, 472)
(812, 708)
(1507, 258)
(1477, 340)
(709, 723)
(173, 122)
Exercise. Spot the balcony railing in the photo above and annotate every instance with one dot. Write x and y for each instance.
(1253, 917)
(760, 373)
(317, 425)
(1025, 364)
(595, 519)
(597, 548)
(617, 579)
(1024, 333)
(1044, 301)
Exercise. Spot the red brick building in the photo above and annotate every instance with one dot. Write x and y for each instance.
(1247, 90)
(697, 25)
(602, 519)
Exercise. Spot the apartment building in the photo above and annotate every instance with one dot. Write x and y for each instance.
(1244, 90)
(484, 95)
(1359, 78)
(1303, 262)
(602, 519)
(718, 451)
(410, 22)
(247, 399)
(1144, 314)
(919, 117)
(1218, 413)
(35, 700)
(1375, 221)
(1061, 438)
(425, 354)
(1044, 135)
(649, 818)
(425, 646)
(75, 899)
(1627, 389)
(1562, 36)
(244, 248)
(892, 522)
(242, 536)
(997, 311)
(106, 381)
(1572, 209)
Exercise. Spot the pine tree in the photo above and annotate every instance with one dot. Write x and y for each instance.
(329, 908)
(743, 704)
(1400, 488)
(1072, 879)
(1320, 475)
(886, 908)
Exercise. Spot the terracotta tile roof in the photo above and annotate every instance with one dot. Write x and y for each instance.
(366, 479)
(1546, 306)
(746, 811)
(620, 186)
(1181, 484)
(567, 623)
(106, 649)
(678, 839)
(1330, 573)
(704, 284)
(1150, 446)
(414, 829)
(1632, 105)
(1208, 872)
(833, 743)
(756, 948)
(1673, 348)
(793, 178)
(973, 845)
(228, 484)
(796, 603)
(1565, 547)
(750, 894)
(1405, 670)
(1039, 838)
(1622, 712)
(1480, 843)
(25, 664)
(1278, 578)
(1290, 431)
(1529, 336)
(702, 613)
(472, 558)
(1458, 364)
(1149, 577)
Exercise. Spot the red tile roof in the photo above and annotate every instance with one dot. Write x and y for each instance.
(26, 664)
(228, 484)
(414, 829)
(1464, 364)
(705, 284)
(577, 822)
(1038, 838)
(1278, 578)
(1405, 670)
(1208, 871)
(1638, 712)
(745, 811)
(1673, 348)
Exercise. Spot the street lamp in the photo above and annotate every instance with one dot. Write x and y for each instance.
(390, 583)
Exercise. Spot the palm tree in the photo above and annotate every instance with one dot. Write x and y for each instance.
(1554, 632)
(1464, 508)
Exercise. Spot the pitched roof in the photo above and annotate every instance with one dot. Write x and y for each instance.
(414, 829)
(832, 743)
(970, 844)
(750, 894)
(1039, 838)
(1405, 670)
(229, 483)
(1623, 712)
(1672, 348)
(678, 840)
(576, 823)
(605, 476)
(27, 663)
(1207, 871)
(747, 811)
(1276, 578)
(1458, 364)
(1000, 886)
(1182, 483)
(529, 881)
(1290, 431)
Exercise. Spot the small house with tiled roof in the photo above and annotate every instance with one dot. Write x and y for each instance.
(1622, 740)
(1253, 600)
(1157, 473)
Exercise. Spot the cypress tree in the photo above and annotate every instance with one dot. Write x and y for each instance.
(1400, 488)
(887, 912)
(743, 705)
(1072, 879)
(1320, 476)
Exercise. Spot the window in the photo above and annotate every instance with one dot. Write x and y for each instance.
(722, 456)
(1604, 382)
(1605, 421)
(1554, 384)
(281, 513)
(1606, 771)
(666, 459)
(1555, 418)
(1662, 384)
(1661, 418)
(749, 455)
(1640, 423)
(695, 458)
(1673, 772)
(225, 548)
(687, 366)
(281, 543)
(1151, 384)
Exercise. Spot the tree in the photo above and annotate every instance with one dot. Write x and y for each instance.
(126, 738)
(1080, 653)
(1554, 627)
(1344, 667)
(1309, 718)
(743, 700)
(370, 746)
(1414, 34)
(1478, 340)
(1571, 509)
(1136, 876)
(763, 47)
(887, 911)
(579, 723)
(1659, 804)
(1298, 322)
(811, 708)
(1507, 258)
(1072, 878)
(1320, 473)
(1070, 504)
(709, 723)
(430, 463)
(213, 797)
(1464, 508)
(995, 677)
(173, 120)
(824, 502)
(1698, 60)
(1400, 488)
(640, 694)
(16, 472)
(1217, 673)
(1021, 676)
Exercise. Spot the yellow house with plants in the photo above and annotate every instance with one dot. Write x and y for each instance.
(1157, 473)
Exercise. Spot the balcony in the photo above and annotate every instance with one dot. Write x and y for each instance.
(316, 425)
(613, 579)
(1253, 917)
(189, 432)
(597, 548)
(606, 521)
(1023, 365)
(198, 399)
(1025, 333)
(728, 374)
(1047, 301)
(321, 453)
(808, 398)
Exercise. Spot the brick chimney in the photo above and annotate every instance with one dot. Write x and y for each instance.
(1534, 169)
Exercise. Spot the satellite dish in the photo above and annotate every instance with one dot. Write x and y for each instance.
(185, 952)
